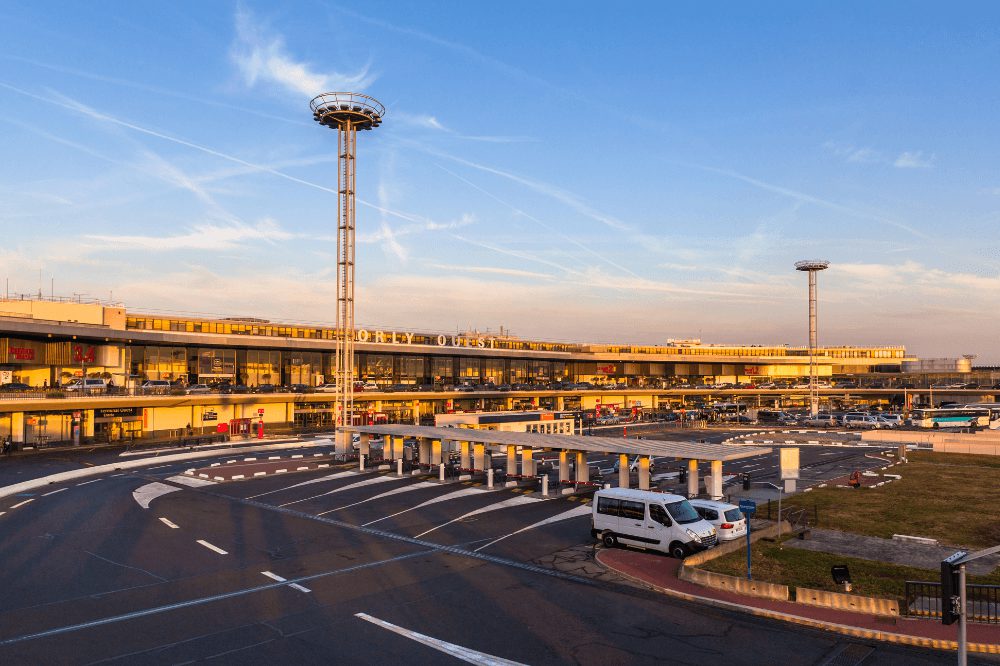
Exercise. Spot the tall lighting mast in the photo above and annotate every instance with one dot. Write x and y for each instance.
(347, 113)
(812, 266)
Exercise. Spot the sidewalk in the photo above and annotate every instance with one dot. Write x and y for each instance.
(660, 573)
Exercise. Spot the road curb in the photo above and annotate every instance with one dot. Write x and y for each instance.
(846, 630)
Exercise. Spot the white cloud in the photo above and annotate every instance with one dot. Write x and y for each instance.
(210, 237)
(863, 155)
(262, 58)
(914, 160)
(513, 272)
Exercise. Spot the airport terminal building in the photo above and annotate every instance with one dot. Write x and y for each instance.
(46, 343)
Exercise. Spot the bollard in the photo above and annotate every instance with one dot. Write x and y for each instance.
(441, 472)
(545, 486)
(361, 461)
(489, 478)
(399, 467)
(607, 485)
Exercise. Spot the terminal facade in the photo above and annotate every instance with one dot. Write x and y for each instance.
(46, 343)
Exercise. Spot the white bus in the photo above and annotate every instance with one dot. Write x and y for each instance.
(980, 415)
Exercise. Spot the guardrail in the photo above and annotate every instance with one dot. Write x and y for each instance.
(923, 599)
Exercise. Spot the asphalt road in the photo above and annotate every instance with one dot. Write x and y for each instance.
(310, 567)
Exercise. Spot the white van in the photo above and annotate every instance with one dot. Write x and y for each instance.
(655, 521)
(89, 385)
(728, 520)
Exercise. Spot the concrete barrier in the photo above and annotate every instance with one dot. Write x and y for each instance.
(719, 581)
(848, 602)
(727, 547)
(985, 442)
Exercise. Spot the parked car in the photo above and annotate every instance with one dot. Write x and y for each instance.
(299, 388)
(821, 420)
(265, 388)
(332, 388)
(370, 386)
(14, 387)
(890, 420)
(88, 386)
(727, 519)
(197, 388)
(861, 421)
(155, 387)
(465, 388)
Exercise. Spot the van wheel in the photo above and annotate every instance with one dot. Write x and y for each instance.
(936, 425)
(677, 550)
(609, 539)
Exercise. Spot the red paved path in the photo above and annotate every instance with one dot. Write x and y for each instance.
(661, 572)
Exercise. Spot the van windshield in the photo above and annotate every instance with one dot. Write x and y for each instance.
(683, 512)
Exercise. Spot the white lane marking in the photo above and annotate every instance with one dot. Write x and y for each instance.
(54, 492)
(366, 482)
(415, 486)
(159, 467)
(443, 498)
(294, 586)
(23, 503)
(514, 501)
(149, 492)
(211, 547)
(260, 473)
(193, 481)
(572, 513)
(457, 651)
(169, 524)
(83, 483)
(2, 513)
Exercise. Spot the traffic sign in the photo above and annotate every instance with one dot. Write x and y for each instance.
(748, 507)
(260, 411)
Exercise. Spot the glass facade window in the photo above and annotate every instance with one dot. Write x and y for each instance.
(443, 370)
(377, 367)
(303, 367)
(468, 368)
(541, 371)
(216, 364)
(518, 371)
(410, 369)
(168, 363)
(493, 370)
(263, 367)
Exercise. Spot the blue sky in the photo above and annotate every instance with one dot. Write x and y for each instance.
(565, 171)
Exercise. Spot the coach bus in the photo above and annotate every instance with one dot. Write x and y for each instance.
(984, 416)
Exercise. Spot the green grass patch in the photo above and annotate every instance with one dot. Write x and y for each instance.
(804, 568)
(950, 497)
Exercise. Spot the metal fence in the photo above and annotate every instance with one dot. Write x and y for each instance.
(923, 599)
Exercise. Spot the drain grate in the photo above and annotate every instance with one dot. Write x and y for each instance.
(847, 654)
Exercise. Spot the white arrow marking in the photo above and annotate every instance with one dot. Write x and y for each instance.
(149, 492)
(572, 513)
(329, 477)
(457, 651)
(443, 498)
(415, 486)
(366, 482)
(514, 501)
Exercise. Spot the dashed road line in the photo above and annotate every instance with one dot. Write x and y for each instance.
(169, 524)
(211, 547)
(83, 483)
(294, 586)
(23, 503)
(54, 492)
